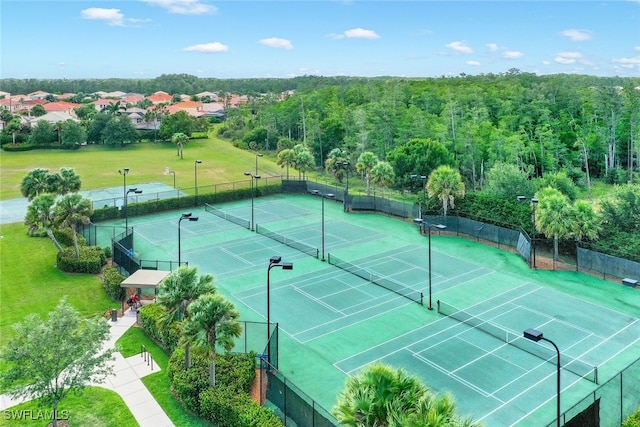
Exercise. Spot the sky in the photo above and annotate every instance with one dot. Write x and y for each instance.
(75, 39)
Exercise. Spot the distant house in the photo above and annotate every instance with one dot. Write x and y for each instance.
(101, 104)
(213, 96)
(39, 94)
(160, 97)
(193, 108)
(61, 106)
(53, 118)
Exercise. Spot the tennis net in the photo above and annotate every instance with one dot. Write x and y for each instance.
(232, 218)
(296, 244)
(517, 340)
(376, 279)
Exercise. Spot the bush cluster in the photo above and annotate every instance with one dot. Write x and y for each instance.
(150, 320)
(29, 147)
(64, 236)
(111, 280)
(91, 260)
(633, 420)
(228, 403)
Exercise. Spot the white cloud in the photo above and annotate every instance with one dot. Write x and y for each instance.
(215, 47)
(546, 62)
(461, 47)
(512, 54)
(567, 57)
(474, 63)
(627, 62)
(492, 47)
(637, 47)
(360, 33)
(277, 43)
(183, 7)
(577, 35)
(112, 16)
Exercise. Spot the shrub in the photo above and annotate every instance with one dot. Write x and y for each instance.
(111, 279)
(64, 236)
(107, 251)
(150, 320)
(91, 260)
(223, 406)
(633, 420)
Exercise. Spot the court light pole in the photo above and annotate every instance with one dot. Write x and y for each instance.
(124, 172)
(257, 155)
(195, 175)
(423, 225)
(275, 261)
(534, 335)
(423, 180)
(167, 171)
(534, 204)
(345, 165)
(328, 196)
(256, 177)
(187, 216)
(126, 205)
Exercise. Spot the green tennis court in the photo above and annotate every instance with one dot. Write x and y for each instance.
(362, 306)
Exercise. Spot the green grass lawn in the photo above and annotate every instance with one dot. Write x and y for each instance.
(95, 407)
(98, 165)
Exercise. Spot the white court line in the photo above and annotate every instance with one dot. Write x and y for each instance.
(626, 347)
(317, 300)
(238, 257)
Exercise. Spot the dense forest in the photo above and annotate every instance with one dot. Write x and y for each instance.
(506, 134)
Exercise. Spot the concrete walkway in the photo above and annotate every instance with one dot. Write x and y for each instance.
(126, 380)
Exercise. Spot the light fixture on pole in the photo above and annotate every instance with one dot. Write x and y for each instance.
(187, 216)
(345, 165)
(423, 225)
(534, 335)
(167, 171)
(257, 155)
(124, 172)
(324, 196)
(423, 180)
(256, 177)
(195, 176)
(126, 205)
(534, 204)
(275, 261)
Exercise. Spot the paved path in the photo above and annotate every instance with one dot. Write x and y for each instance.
(126, 380)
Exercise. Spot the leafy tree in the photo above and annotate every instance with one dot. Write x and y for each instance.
(286, 158)
(180, 139)
(42, 133)
(365, 164)
(35, 183)
(177, 291)
(73, 133)
(382, 175)
(179, 122)
(50, 359)
(71, 210)
(86, 111)
(119, 130)
(13, 127)
(212, 321)
(507, 181)
(554, 216)
(621, 208)
(446, 184)
(418, 157)
(95, 128)
(384, 396)
(335, 163)
(38, 111)
(304, 159)
(561, 182)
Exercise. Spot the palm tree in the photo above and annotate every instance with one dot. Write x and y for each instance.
(40, 213)
(365, 164)
(114, 108)
(334, 163)
(212, 321)
(286, 157)
(445, 183)
(177, 291)
(71, 210)
(383, 175)
(587, 222)
(35, 183)
(66, 181)
(180, 139)
(554, 216)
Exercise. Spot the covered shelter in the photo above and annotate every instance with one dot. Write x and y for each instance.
(145, 279)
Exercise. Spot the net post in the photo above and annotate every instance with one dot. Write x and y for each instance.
(438, 305)
(329, 258)
(421, 298)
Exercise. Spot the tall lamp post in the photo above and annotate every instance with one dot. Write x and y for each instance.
(256, 177)
(327, 196)
(126, 205)
(422, 179)
(533, 335)
(534, 204)
(345, 165)
(187, 216)
(195, 176)
(124, 172)
(275, 261)
(167, 171)
(257, 155)
(423, 225)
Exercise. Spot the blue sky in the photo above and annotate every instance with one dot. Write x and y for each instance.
(253, 39)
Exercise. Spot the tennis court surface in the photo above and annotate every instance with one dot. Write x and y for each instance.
(368, 301)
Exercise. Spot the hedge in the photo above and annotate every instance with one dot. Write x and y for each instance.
(29, 147)
(150, 319)
(91, 260)
(111, 280)
(223, 406)
(633, 420)
(64, 236)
